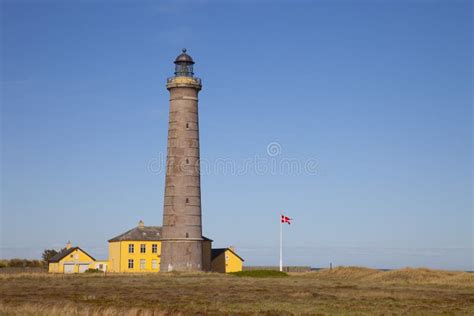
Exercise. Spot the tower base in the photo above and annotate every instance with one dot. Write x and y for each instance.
(181, 255)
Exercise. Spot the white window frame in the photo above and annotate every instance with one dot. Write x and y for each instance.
(131, 248)
(154, 248)
(131, 263)
(142, 248)
(154, 264)
(142, 264)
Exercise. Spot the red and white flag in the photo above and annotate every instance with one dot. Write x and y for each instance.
(285, 219)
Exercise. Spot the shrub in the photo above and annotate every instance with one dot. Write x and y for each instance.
(48, 254)
(94, 271)
(260, 274)
(17, 263)
(33, 263)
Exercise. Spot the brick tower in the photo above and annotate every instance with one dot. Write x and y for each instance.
(182, 230)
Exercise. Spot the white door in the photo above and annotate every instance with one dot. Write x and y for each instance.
(69, 268)
(83, 268)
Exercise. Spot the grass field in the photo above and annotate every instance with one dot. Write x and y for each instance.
(341, 291)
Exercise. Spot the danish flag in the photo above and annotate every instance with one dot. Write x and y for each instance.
(285, 219)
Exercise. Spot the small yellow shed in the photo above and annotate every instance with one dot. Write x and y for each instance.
(225, 260)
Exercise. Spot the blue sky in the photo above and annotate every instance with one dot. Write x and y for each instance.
(376, 95)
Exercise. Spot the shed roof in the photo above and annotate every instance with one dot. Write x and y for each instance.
(59, 256)
(216, 252)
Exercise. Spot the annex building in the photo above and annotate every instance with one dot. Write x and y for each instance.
(74, 260)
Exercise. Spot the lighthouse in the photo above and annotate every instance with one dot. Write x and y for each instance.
(182, 226)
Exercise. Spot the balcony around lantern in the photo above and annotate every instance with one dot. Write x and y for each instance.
(183, 81)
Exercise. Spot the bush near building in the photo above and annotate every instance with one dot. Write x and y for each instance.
(21, 263)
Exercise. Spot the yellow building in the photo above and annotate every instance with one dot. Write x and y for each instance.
(139, 250)
(225, 260)
(71, 260)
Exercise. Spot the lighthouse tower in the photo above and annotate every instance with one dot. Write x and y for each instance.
(182, 229)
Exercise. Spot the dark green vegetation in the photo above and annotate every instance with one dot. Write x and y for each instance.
(22, 263)
(260, 274)
(341, 291)
(94, 271)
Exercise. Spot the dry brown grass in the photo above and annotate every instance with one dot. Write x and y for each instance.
(420, 276)
(340, 291)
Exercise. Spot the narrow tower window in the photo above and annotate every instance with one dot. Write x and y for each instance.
(187, 161)
(187, 235)
(187, 200)
(187, 125)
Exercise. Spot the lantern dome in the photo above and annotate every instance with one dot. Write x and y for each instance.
(184, 58)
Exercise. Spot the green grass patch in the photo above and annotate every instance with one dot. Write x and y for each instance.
(260, 274)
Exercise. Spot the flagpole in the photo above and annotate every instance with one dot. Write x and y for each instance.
(281, 245)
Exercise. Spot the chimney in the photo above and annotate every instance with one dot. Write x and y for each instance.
(141, 224)
(68, 245)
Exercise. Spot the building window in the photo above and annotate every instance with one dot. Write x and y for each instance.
(131, 248)
(187, 161)
(142, 248)
(187, 200)
(130, 263)
(187, 125)
(142, 264)
(101, 266)
(154, 264)
(154, 248)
